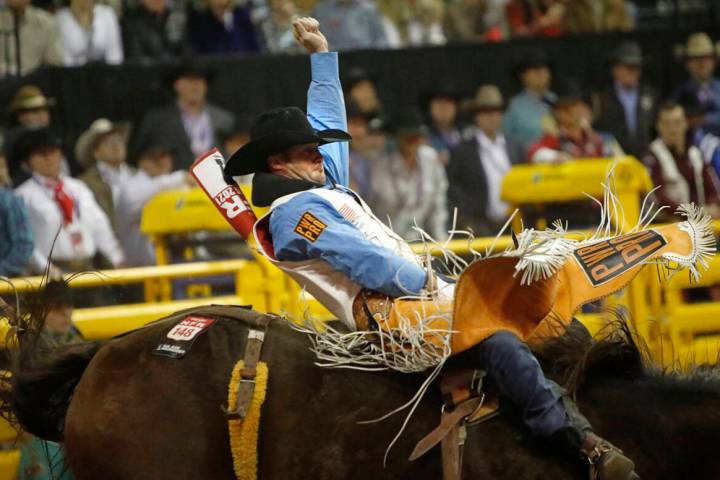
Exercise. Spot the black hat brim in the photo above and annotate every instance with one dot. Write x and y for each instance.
(252, 157)
(197, 71)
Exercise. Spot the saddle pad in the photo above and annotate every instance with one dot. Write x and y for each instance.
(244, 432)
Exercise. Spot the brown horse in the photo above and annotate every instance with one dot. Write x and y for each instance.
(123, 413)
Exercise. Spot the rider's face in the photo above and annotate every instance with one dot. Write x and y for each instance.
(304, 162)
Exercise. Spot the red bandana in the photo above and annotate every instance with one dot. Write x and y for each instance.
(64, 201)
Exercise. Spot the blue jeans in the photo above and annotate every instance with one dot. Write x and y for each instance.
(515, 371)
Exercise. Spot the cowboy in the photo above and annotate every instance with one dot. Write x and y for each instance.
(191, 124)
(102, 150)
(529, 109)
(700, 56)
(324, 235)
(627, 110)
(29, 108)
(479, 164)
(572, 136)
(66, 220)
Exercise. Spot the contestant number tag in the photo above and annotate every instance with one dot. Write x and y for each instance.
(189, 328)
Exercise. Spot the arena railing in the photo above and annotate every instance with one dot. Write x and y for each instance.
(98, 323)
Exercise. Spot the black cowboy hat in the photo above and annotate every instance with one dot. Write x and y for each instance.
(531, 59)
(189, 67)
(444, 89)
(30, 140)
(148, 145)
(407, 120)
(627, 53)
(354, 76)
(273, 132)
(570, 91)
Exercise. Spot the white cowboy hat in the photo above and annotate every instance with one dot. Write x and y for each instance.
(87, 142)
(698, 45)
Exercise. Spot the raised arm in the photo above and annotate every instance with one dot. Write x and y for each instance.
(325, 102)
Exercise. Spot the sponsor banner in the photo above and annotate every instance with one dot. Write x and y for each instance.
(606, 260)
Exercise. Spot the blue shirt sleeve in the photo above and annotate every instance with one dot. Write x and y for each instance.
(326, 110)
(342, 245)
(19, 244)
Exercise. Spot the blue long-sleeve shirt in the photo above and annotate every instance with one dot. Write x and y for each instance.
(16, 237)
(339, 242)
(708, 95)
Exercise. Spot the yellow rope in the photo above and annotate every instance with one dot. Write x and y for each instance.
(244, 432)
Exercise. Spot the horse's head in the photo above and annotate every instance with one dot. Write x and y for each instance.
(575, 356)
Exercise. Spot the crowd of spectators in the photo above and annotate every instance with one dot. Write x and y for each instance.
(549, 120)
(112, 32)
(414, 164)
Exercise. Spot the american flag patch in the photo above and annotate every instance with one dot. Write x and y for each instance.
(347, 212)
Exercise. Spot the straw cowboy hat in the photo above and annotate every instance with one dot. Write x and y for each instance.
(30, 97)
(90, 138)
(273, 132)
(698, 45)
(487, 99)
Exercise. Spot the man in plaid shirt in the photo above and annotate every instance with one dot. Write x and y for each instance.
(16, 239)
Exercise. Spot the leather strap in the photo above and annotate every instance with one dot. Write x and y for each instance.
(246, 387)
(448, 422)
(451, 454)
(459, 385)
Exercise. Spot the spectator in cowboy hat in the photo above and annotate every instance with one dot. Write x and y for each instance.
(523, 122)
(359, 86)
(573, 135)
(190, 124)
(441, 108)
(700, 57)
(102, 151)
(60, 303)
(627, 110)
(155, 164)
(66, 220)
(408, 183)
(478, 165)
(29, 108)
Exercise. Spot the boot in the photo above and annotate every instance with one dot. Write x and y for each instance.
(607, 462)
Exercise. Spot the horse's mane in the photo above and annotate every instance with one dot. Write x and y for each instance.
(616, 352)
(36, 392)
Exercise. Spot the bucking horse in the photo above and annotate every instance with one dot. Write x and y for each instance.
(123, 412)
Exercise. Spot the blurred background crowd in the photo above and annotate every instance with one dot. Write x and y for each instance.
(83, 151)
